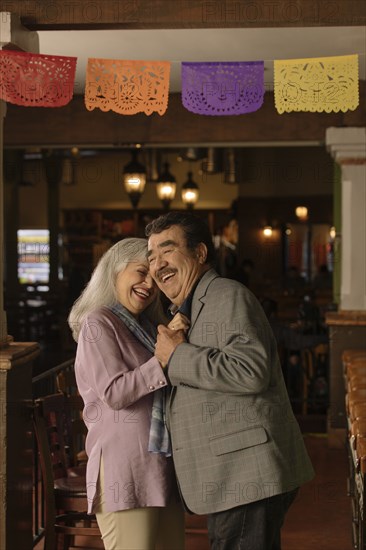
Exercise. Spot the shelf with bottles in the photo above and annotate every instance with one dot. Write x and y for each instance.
(82, 223)
(117, 229)
(86, 232)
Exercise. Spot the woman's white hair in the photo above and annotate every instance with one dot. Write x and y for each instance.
(101, 289)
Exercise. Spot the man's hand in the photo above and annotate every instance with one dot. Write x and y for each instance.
(179, 322)
(166, 343)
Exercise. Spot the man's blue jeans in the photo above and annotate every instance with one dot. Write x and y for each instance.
(253, 526)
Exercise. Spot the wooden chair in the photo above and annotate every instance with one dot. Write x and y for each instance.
(351, 366)
(79, 430)
(361, 454)
(357, 411)
(307, 362)
(351, 354)
(358, 429)
(353, 398)
(355, 383)
(196, 531)
(320, 382)
(65, 500)
(66, 384)
(356, 368)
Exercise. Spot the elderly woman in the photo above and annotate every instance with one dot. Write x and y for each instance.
(131, 484)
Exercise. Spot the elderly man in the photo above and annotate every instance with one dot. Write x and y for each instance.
(237, 448)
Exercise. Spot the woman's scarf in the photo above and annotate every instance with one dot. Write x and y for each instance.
(159, 440)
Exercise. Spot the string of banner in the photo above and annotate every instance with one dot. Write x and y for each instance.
(324, 84)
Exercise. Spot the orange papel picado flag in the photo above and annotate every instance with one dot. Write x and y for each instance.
(127, 87)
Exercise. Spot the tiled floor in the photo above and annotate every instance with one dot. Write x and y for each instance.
(320, 518)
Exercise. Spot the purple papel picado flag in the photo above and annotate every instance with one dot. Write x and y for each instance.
(223, 88)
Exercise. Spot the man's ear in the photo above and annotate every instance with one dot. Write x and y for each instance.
(201, 253)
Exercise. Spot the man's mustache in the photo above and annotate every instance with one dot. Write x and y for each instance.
(160, 274)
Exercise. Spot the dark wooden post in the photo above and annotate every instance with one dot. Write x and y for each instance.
(53, 170)
(13, 160)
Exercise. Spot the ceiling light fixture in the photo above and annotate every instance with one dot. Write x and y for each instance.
(301, 212)
(267, 231)
(190, 192)
(134, 179)
(166, 187)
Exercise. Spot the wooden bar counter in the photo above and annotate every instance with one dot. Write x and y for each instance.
(16, 446)
(347, 329)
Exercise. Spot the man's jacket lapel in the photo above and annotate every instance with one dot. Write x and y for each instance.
(199, 297)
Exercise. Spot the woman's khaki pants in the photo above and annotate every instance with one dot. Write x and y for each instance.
(153, 528)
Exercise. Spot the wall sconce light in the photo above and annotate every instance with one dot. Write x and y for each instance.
(230, 175)
(332, 232)
(134, 179)
(153, 166)
(68, 171)
(267, 231)
(166, 187)
(213, 163)
(192, 154)
(301, 212)
(190, 192)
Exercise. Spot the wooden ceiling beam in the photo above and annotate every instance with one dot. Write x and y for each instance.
(184, 14)
(74, 125)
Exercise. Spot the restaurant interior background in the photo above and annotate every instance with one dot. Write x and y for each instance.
(269, 185)
(64, 173)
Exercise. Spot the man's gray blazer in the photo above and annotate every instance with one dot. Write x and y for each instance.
(235, 439)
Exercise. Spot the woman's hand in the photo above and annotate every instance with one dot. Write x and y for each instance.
(179, 322)
(166, 342)
(170, 337)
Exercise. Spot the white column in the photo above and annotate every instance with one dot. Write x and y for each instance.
(12, 36)
(348, 148)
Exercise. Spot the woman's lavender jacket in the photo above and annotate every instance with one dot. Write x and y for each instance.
(117, 377)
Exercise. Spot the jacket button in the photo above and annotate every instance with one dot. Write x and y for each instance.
(161, 382)
(151, 388)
